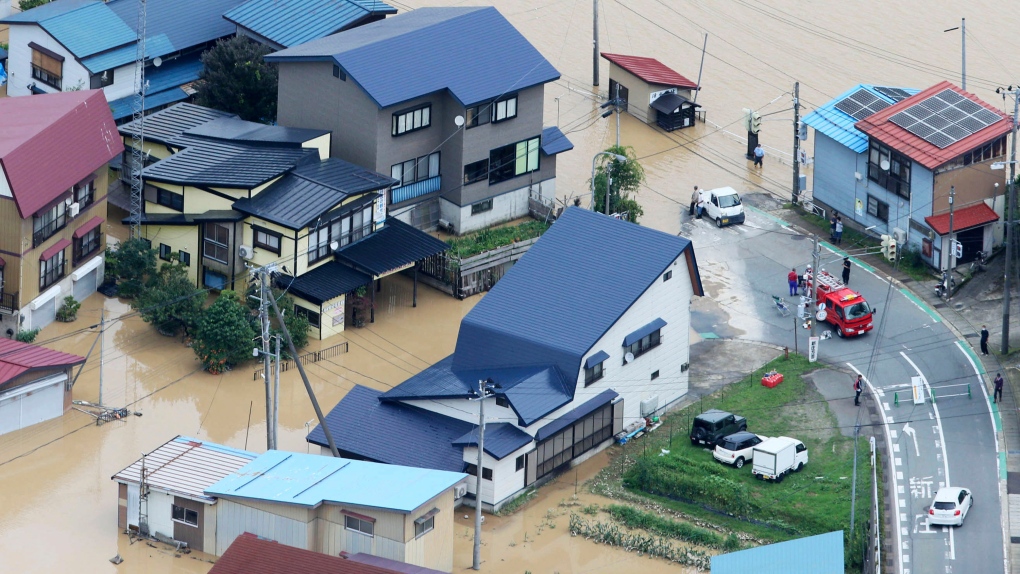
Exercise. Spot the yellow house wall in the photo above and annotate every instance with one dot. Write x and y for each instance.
(332, 318)
(320, 143)
(263, 256)
(434, 549)
(179, 238)
(313, 331)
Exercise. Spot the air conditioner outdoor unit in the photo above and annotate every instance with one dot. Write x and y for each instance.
(459, 491)
(446, 225)
(72, 210)
(245, 252)
(858, 176)
(649, 406)
(899, 235)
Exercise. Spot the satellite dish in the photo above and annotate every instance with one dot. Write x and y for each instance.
(157, 61)
(884, 165)
(821, 314)
(333, 246)
(459, 120)
(629, 357)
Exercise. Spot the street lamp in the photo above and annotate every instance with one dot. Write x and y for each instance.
(615, 156)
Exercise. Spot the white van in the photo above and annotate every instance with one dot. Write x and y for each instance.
(776, 457)
(723, 206)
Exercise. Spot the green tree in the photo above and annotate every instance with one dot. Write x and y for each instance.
(134, 263)
(626, 178)
(170, 301)
(297, 325)
(236, 79)
(29, 4)
(224, 335)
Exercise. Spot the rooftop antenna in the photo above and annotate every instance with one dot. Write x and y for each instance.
(138, 155)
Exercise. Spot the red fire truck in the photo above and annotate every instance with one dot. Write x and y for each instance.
(844, 307)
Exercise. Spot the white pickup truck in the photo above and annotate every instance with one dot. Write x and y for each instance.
(776, 457)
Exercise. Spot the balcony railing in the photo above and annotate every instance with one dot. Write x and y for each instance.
(8, 302)
(415, 190)
(48, 230)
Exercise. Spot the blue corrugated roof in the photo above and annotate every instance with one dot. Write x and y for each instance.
(365, 427)
(89, 30)
(501, 439)
(154, 46)
(821, 554)
(839, 125)
(292, 22)
(640, 333)
(309, 480)
(48, 10)
(595, 359)
(173, 73)
(501, 61)
(586, 408)
(123, 107)
(186, 23)
(555, 141)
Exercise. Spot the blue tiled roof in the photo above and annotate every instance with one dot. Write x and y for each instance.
(555, 141)
(173, 73)
(48, 10)
(576, 414)
(501, 439)
(821, 554)
(89, 30)
(292, 22)
(309, 480)
(507, 329)
(501, 61)
(123, 107)
(154, 46)
(839, 125)
(365, 427)
(186, 23)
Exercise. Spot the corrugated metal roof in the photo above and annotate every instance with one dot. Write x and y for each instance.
(48, 10)
(395, 245)
(395, 565)
(167, 125)
(51, 142)
(327, 281)
(839, 125)
(501, 439)
(158, 45)
(187, 23)
(879, 127)
(292, 22)
(591, 405)
(249, 554)
(309, 480)
(235, 129)
(821, 554)
(91, 29)
(226, 164)
(393, 433)
(124, 107)
(187, 219)
(440, 37)
(963, 218)
(173, 73)
(555, 141)
(185, 466)
(17, 357)
(650, 70)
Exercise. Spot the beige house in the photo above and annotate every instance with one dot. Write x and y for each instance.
(652, 92)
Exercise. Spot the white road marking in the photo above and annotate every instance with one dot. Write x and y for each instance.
(907, 429)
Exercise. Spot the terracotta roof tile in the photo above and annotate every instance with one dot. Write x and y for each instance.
(650, 70)
(963, 219)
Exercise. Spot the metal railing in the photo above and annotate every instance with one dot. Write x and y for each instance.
(311, 357)
(48, 230)
(9, 303)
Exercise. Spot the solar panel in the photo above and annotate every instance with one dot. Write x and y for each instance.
(849, 107)
(969, 107)
(861, 104)
(895, 94)
(945, 118)
(903, 119)
(987, 117)
(939, 140)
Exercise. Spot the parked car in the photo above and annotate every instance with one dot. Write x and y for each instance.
(712, 425)
(723, 206)
(777, 457)
(737, 448)
(950, 506)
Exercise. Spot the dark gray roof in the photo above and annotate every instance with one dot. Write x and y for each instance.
(365, 427)
(395, 245)
(501, 60)
(226, 164)
(501, 439)
(327, 281)
(555, 141)
(233, 128)
(186, 23)
(167, 125)
(668, 103)
(297, 199)
(586, 408)
(187, 218)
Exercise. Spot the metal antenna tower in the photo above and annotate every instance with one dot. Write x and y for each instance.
(138, 136)
(143, 500)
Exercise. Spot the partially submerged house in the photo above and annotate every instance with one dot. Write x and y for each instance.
(35, 384)
(570, 365)
(651, 91)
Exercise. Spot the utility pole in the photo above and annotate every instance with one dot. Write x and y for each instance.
(616, 101)
(276, 396)
(796, 142)
(1011, 206)
(264, 294)
(609, 186)
(701, 67)
(102, 342)
(952, 247)
(483, 393)
(812, 297)
(595, 52)
(143, 505)
(963, 48)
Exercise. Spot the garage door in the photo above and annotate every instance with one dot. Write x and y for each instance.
(45, 314)
(35, 403)
(85, 286)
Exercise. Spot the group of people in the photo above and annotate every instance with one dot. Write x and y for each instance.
(836, 229)
(697, 202)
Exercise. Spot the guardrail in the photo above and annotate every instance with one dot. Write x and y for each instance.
(311, 357)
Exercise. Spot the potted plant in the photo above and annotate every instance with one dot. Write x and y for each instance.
(362, 305)
(69, 310)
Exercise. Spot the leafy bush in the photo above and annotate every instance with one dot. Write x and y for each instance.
(29, 4)
(626, 178)
(691, 480)
(134, 262)
(224, 335)
(650, 545)
(27, 336)
(634, 518)
(235, 78)
(472, 244)
(170, 301)
(68, 311)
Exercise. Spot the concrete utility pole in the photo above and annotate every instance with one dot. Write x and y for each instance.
(102, 343)
(267, 369)
(276, 396)
(812, 290)
(952, 247)
(616, 100)
(595, 42)
(963, 48)
(701, 67)
(796, 141)
(1011, 207)
(483, 393)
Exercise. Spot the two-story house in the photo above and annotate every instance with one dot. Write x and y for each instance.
(570, 364)
(462, 135)
(54, 157)
(887, 159)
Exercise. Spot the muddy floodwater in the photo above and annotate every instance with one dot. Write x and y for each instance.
(58, 506)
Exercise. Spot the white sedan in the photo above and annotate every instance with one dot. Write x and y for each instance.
(737, 448)
(950, 506)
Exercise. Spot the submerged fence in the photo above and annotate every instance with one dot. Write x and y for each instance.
(311, 357)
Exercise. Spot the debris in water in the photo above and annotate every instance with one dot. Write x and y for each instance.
(116, 559)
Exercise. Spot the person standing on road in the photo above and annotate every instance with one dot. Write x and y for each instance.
(997, 397)
(791, 278)
(694, 200)
(700, 209)
(858, 387)
(984, 340)
(839, 230)
(759, 155)
(846, 271)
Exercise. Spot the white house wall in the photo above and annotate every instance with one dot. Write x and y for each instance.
(158, 507)
(20, 62)
(5, 188)
(506, 479)
(234, 519)
(505, 207)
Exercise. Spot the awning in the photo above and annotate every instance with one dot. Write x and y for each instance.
(554, 141)
(2, 262)
(57, 248)
(325, 282)
(668, 103)
(963, 219)
(394, 246)
(600, 400)
(501, 439)
(88, 226)
(640, 333)
(596, 359)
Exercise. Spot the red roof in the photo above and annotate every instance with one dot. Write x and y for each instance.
(650, 70)
(250, 555)
(966, 218)
(50, 142)
(17, 358)
(88, 226)
(930, 156)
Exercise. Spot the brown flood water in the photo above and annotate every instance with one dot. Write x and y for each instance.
(58, 506)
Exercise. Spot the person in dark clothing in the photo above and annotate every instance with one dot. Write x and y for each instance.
(984, 340)
(998, 388)
(846, 270)
(832, 227)
(858, 388)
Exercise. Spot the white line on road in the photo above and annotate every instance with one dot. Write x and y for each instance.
(907, 429)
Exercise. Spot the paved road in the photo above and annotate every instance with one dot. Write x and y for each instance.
(949, 441)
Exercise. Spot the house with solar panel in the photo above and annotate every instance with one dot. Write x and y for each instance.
(639, 79)
(888, 158)
(463, 137)
(571, 359)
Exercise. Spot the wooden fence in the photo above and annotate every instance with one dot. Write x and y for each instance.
(465, 277)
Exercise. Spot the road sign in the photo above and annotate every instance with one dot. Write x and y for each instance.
(812, 355)
(957, 250)
(918, 388)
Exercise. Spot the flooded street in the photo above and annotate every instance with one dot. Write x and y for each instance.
(58, 506)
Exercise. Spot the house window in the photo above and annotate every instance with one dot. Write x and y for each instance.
(473, 471)
(519, 463)
(502, 402)
(47, 66)
(476, 171)
(573, 441)
(84, 193)
(164, 251)
(265, 239)
(593, 373)
(166, 198)
(86, 245)
(897, 178)
(98, 81)
(185, 258)
(412, 120)
(481, 207)
(879, 209)
(512, 160)
(46, 223)
(214, 280)
(504, 109)
(412, 170)
(655, 375)
(312, 316)
(344, 230)
(477, 116)
(645, 344)
(356, 524)
(184, 515)
(424, 524)
(51, 270)
(217, 240)
(338, 73)
(667, 276)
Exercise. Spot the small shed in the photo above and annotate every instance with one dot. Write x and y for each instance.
(821, 554)
(644, 84)
(35, 384)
